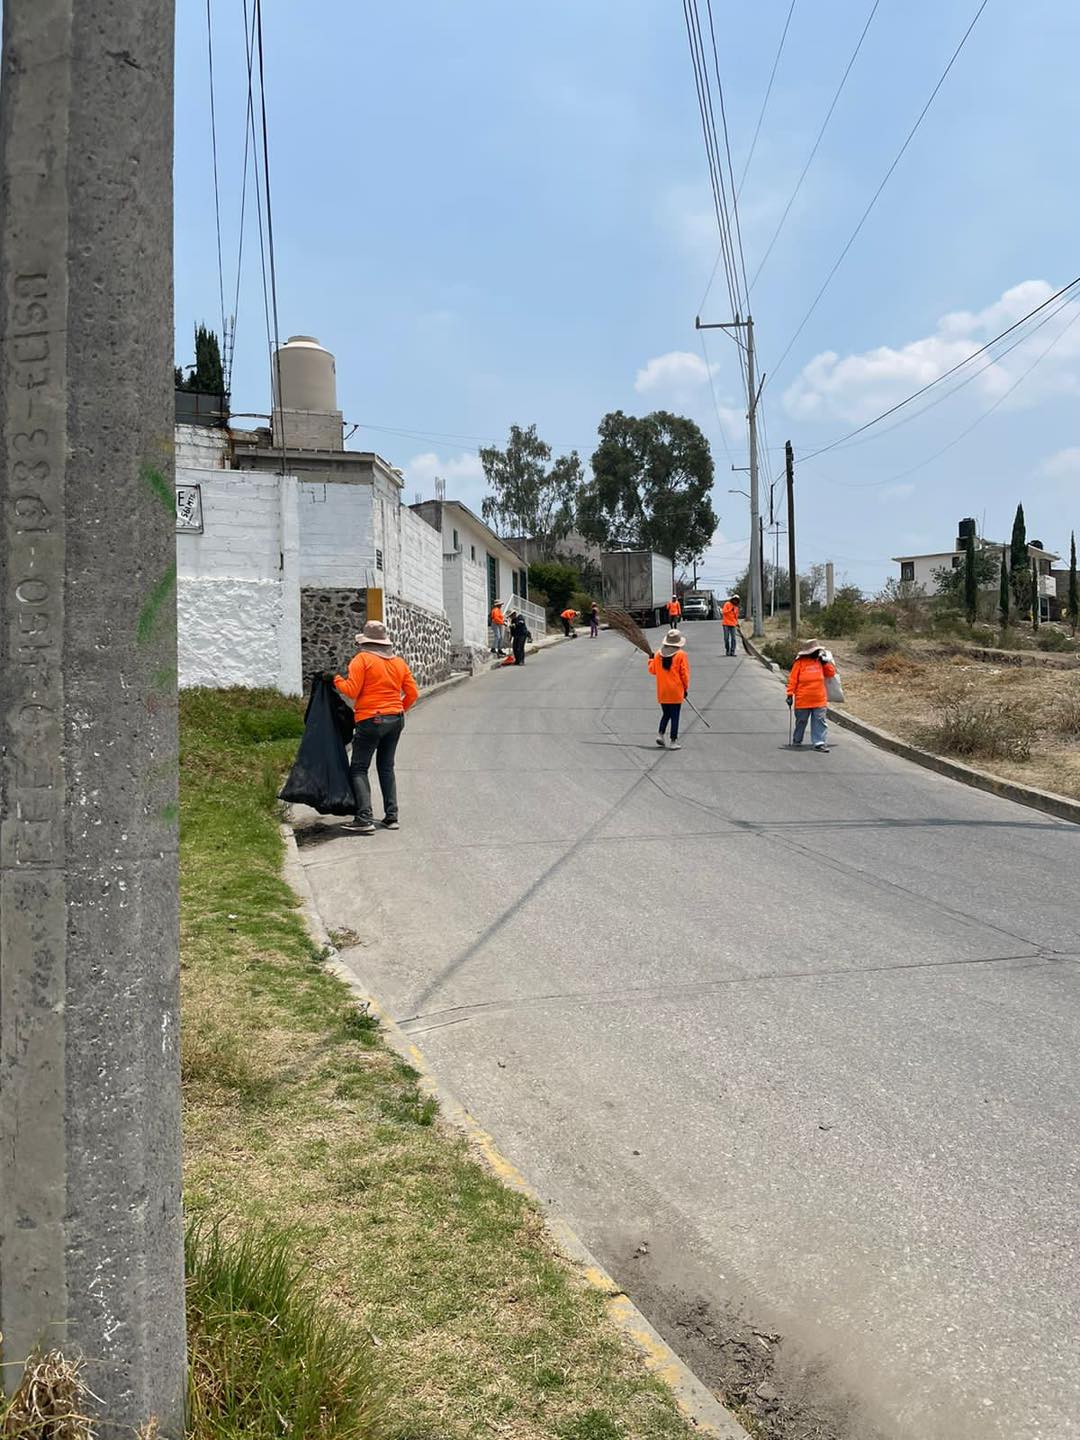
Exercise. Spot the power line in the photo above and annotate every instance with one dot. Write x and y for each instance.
(768, 92)
(913, 469)
(930, 385)
(249, 46)
(885, 180)
(727, 149)
(217, 190)
(817, 143)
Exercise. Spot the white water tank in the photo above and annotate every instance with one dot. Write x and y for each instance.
(308, 376)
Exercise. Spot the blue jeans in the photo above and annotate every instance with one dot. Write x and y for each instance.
(730, 640)
(818, 728)
(669, 715)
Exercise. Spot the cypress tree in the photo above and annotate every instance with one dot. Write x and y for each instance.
(1003, 595)
(1074, 593)
(971, 584)
(1019, 562)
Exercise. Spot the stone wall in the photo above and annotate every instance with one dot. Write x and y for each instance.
(422, 637)
(330, 618)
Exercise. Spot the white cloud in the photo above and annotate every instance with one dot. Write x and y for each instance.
(1064, 465)
(682, 379)
(896, 492)
(854, 388)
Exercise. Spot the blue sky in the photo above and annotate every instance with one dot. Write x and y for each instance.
(498, 213)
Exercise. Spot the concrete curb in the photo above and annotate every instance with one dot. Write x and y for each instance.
(695, 1401)
(1060, 806)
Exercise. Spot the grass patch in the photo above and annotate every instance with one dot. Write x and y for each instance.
(302, 1126)
(878, 640)
(266, 1357)
(982, 729)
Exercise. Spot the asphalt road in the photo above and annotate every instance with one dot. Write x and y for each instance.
(792, 1040)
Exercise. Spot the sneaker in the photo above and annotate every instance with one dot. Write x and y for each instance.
(822, 749)
(358, 827)
(389, 824)
(661, 742)
(675, 745)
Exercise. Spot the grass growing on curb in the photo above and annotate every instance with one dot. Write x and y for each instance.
(299, 1118)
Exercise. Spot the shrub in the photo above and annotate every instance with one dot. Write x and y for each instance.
(267, 1358)
(895, 662)
(1008, 639)
(1048, 639)
(880, 616)
(947, 621)
(983, 635)
(557, 581)
(985, 729)
(878, 641)
(782, 651)
(1066, 716)
(843, 617)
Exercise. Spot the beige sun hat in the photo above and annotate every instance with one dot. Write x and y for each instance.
(673, 640)
(374, 637)
(810, 647)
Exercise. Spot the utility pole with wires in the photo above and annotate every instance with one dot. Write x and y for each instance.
(753, 391)
(789, 465)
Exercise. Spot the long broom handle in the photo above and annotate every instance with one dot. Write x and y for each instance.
(697, 712)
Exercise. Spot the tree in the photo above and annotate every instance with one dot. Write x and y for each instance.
(650, 487)
(530, 497)
(951, 580)
(971, 579)
(1019, 562)
(557, 581)
(208, 376)
(1003, 592)
(1074, 592)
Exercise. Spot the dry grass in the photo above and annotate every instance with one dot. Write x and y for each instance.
(50, 1402)
(300, 1118)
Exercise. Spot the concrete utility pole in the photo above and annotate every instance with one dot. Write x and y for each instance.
(793, 574)
(91, 1256)
(753, 392)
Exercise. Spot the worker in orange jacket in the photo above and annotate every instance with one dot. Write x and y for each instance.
(674, 612)
(807, 694)
(672, 670)
(568, 617)
(729, 616)
(498, 629)
(381, 688)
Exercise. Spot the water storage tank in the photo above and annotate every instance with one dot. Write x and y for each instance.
(308, 376)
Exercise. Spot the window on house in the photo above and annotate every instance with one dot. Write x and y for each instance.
(956, 561)
(907, 569)
(378, 559)
(457, 542)
(493, 581)
(473, 550)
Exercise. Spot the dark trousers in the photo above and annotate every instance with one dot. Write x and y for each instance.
(669, 715)
(376, 738)
(565, 625)
(519, 649)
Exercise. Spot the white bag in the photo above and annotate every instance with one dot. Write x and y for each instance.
(834, 691)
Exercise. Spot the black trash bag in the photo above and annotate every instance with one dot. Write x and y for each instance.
(320, 773)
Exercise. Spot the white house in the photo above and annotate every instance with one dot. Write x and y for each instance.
(920, 570)
(479, 571)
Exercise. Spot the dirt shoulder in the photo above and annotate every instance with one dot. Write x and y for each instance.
(947, 695)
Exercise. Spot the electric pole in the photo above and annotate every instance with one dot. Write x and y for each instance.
(91, 1232)
(789, 465)
(753, 392)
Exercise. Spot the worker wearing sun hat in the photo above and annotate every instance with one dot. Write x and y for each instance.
(807, 693)
(381, 688)
(672, 671)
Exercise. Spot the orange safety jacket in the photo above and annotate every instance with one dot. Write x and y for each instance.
(806, 682)
(674, 609)
(497, 616)
(730, 613)
(378, 685)
(569, 614)
(671, 685)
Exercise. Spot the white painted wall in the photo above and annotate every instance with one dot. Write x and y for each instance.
(201, 446)
(421, 570)
(337, 539)
(465, 598)
(238, 587)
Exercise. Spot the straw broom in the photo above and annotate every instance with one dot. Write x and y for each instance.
(630, 630)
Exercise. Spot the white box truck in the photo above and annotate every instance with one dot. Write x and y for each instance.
(638, 582)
